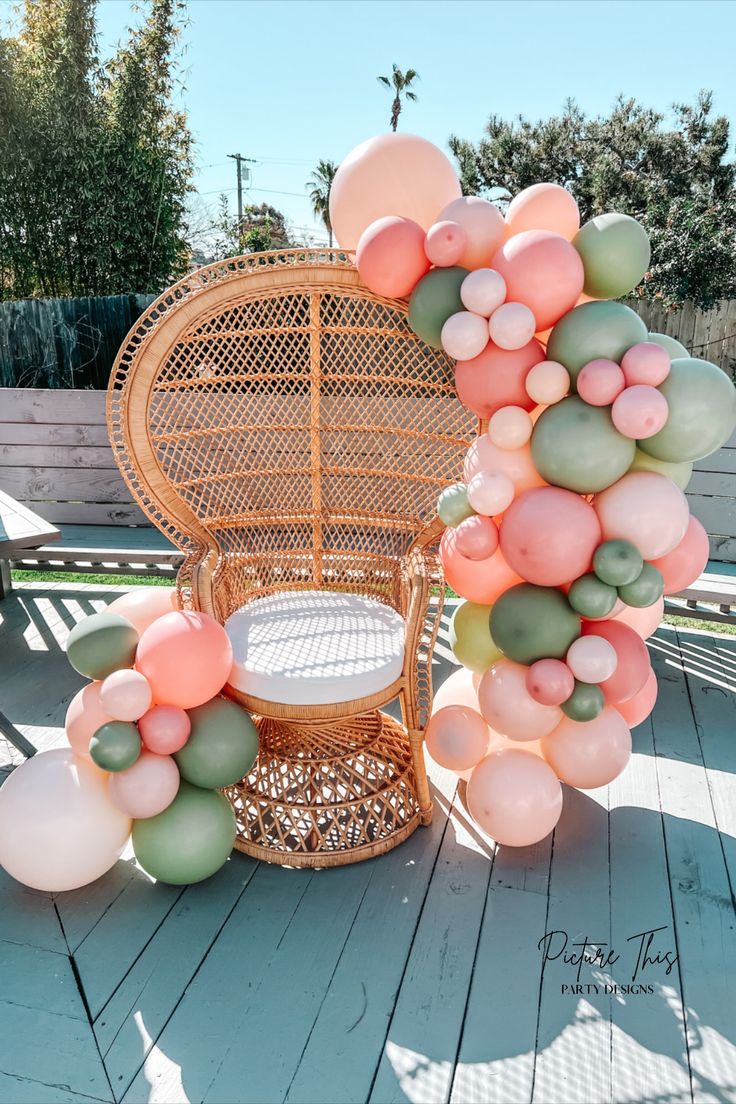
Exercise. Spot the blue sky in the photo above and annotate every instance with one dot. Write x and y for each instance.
(291, 82)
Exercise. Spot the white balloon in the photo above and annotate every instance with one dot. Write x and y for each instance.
(483, 291)
(512, 326)
(464, 335)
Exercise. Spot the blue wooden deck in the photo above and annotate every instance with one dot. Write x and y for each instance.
(414, 977)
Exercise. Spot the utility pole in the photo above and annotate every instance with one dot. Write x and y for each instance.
(239, 159)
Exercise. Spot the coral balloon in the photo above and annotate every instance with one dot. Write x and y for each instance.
(517, 464)
(126, 695)
(497, 378)
(683, 565)
(600, 382)
(478, 581)
(588, 754)
(646, 509)
(141, 606)
(483, 225)
(510, 427)
(632, 659)
(543, 207)
(647, 363)
(638, 708)
(548, 536)
(165, 729)
(457, 737)
(640, 411)
(509, 708)
(186, 658)
(490, 492)
(445, 244)
(511, 326)
(84, 716)
(477, 537)
(464, 335)
(643, 621)
(460, 688)
(482, 291)
(391, 174)
(515, 797)
(550, 681)
(146, 788)
(543, 271)
(591, 659)
(390, 257)
(547, 382)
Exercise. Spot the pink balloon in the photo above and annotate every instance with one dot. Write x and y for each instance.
(464, 335)
(600, 381)
(548, 536)
(186, 657)
(126, 695)
(478, 581)
(84, 716)
(510, 427)
(391, 174)
(496, 378)
(476, 537)
(517, 464)
(390, 257)
(143, 605)
(542, 270)
(482, 291)
(640, 411)
(632, 659)
(591, 659)
(165, 729)
(457, 737)
(544, 207)
(484, 227)
(512, 326)
(490, 493)
(686, 561)
(547, 382)
(645, 508)
(588, 754)
(550, 681)
(445, 244)
(147, 788)
(460, 688)
(509, 708)
(515, 797)
(646, 363)
(643, 621)
(638, 708)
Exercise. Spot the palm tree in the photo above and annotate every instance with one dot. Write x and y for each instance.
(401, 84)
(319, 194)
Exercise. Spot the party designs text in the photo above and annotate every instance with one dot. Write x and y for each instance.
(646, 952)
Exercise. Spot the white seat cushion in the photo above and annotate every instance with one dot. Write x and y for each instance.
(315, 647)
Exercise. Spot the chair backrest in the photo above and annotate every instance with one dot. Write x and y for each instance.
(284, 426)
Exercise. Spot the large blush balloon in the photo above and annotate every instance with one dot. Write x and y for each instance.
(686, 562)
(457, 737)
(549, 535)
(588, 754)
(146, 788)
(186, 658)
(479, 581)
(646, 509)
(58, 828)
(543, 271)
(638, 708)
(517, 464)
(632, 659)
(391, 174)
(643, 621)
(444, 244)
(165, 729)
(483, 225)
(390, 257)
(515, 797)
(509, 708)
(460, 688)
(543, 207)
(497, 378)
(143, 605)
(84, 716)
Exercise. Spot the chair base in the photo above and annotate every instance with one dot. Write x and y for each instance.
(328, 794)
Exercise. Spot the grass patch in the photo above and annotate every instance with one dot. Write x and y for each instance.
(72, 577)
(723, 627)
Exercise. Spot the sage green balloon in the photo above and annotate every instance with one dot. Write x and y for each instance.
(453, 506)
(470, 637)
(679, 473)
(115, 746)
(577, 446)
(531, 622)
(433, 300)
(594, 330)
(645, 590)
(615, 252)
(702, 412)
(100, 644)
(222, 745)
(585, 702)
(590, 597)
(617, 562)
(674, 348)
(189, 840)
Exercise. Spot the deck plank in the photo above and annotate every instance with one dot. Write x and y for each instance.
(29, 917)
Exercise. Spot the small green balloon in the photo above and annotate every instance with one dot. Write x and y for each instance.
(678, 473)
(617, 562)
(590, 597)
(470, 637)
(222, 745)
(453, 506)
(645, 590)
(577, 446)
(434, 299)
(594, 330)
(531, 622)
(100, 644)
(115, 746)
(189, 840)
(615, 252)
(675, 349)
(702, 412)
(585, 702)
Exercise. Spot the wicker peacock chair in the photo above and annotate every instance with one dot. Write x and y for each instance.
(287, 430)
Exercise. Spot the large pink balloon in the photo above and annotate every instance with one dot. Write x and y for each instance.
(84, 715)
(391, 174)
(543, 271)
(496, 378)
(186, 657)
(483, 225)
(143, 605)
(632, 659)
(588, 754)
(457, 737)
(517, 464)
(645, 508)
(638, 708)
(543, 207)
(515, 797)
(165, 729)
(644, 621)
(460, 688)
(509, 708)
(686, 562)
(478, 581)
(390, 257)
(549, 535)
(58, 828)
(147, 788)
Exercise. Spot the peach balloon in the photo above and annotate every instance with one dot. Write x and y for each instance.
(390, 257)
(517, 464)
(512, 326)
(509, 708)
(645, 363)
(165, 729)
(496, 378)
(478, 581)
(632, 659)
(464, 335)
(544, 207)
(84, 716)
(515, 797)
(591, 659)
(445, 244)
(186, 657)
(640, 411)
(460, 688)
(589, 754)
(542, 270)
(490, 493)
(476, 537)
(550, 681)
(547, 382)
(510, 427)
(644, 621)
(600, 381)
(645, 508)
(457, 737)
(147, 788)
(548, 535)
(638, 708)
(143, 605)
(126, 695)
(482, 291)
(391, 174)
(483, 225)
(687, 560)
